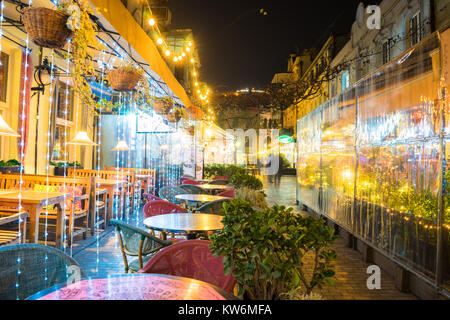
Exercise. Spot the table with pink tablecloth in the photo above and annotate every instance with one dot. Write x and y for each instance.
(134, 287)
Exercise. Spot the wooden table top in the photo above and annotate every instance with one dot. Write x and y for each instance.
(199, 197)
(135, 287)
(32, 196)
(110, 182)
(185, 222)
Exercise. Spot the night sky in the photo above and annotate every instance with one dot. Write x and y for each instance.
(241, 48)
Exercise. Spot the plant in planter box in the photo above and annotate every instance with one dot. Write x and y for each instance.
(267, 251)
(10, 166)
(62, 167)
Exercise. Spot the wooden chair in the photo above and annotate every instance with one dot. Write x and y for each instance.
(120, 196)
(16, 234)
(73, 213)
(146, 187)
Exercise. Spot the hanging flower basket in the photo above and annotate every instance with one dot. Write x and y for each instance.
(47, 27)
(191, 131)
(122, 79)
(158, 107)
(173, 116)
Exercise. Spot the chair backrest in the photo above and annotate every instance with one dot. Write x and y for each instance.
(168, 193)
(151, 197)
(230, 193)
(191, 259)
(189, 181)
(221, 178)
(131, 238)
(157, 207)
(40, 266)
(149, 172)
(219, 182)
(213, 207)
(192, 189)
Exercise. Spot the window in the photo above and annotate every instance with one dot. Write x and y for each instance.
(64, 117)
(386, 52)
(345, 80)
(64, 103)
(4, 60)
(414, 29)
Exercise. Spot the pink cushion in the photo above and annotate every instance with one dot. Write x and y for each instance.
(75, 192)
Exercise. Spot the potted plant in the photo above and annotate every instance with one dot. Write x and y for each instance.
(47, 27)
(268, 251)
(256, 198)
(124, 78)
(61, 168)
(10, 166)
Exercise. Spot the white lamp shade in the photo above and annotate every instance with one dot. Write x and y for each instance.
(121, 146)
(82, 139)
(6, 130)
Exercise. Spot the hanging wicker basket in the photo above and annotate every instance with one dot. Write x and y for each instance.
(158, 107)
(122, 79)
(47, 27)
(173, 116)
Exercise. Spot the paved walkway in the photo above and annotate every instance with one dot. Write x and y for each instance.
(102, 257)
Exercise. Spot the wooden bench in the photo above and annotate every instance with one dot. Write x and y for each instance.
(17, 234)
(12, 181)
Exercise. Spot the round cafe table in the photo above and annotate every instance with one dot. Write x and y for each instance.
(214, 187)
(203, 198)
(188, 223)
(135, 287)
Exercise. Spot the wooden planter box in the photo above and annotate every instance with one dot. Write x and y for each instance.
(62, 171)
(10, 169)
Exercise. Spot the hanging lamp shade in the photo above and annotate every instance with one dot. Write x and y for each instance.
(121, 146)
(82, 139)
(5, 129)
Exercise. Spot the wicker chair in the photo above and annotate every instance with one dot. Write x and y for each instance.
(12, 226)
(219, 182)
(191, 259)
(213, 207)
(230, 193)
(192, 189)
(40, 267)
(169, 193)
(137, 243)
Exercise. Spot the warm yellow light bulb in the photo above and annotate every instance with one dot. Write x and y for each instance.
(192, 60)
(198, 91)
(175, 59)
(151, 22)
(183, 54)
(194, 73)
(167, 53)
(190, 44)
(196, 84)
(159, 41)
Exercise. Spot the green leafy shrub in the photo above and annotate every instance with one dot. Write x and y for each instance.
(256, 198)
(266, 251)
(9, 163)
(245, 180)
